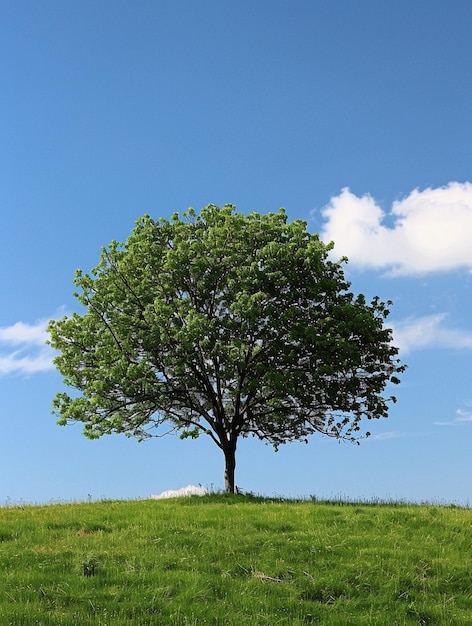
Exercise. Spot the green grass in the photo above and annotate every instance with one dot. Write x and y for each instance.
(235, 560)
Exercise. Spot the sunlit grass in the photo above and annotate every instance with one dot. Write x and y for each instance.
(235, 560)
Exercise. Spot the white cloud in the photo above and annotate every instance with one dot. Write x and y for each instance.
(393, 434)
(429, 332)
(30, 354)
(17, 363)
(21, 333)
(431, 230)
(461, 418)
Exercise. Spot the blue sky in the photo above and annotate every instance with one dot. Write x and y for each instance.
(355, 116)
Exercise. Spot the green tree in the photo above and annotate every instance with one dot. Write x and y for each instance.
(224, 324)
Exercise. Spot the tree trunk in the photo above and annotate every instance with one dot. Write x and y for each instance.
(230, 465)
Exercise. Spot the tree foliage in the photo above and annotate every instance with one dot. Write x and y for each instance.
(224, 324)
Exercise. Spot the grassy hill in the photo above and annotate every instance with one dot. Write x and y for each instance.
(235, 560)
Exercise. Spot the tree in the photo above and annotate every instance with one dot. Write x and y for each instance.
(227, 325)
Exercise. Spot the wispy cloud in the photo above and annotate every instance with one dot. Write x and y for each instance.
(393, 434)
(23, 349)
(429, 331)
(21, 333)
(462, 417)
(431, 230)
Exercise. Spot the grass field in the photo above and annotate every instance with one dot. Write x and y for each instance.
(235, 560)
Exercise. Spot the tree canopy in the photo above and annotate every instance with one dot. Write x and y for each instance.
(223, 324)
